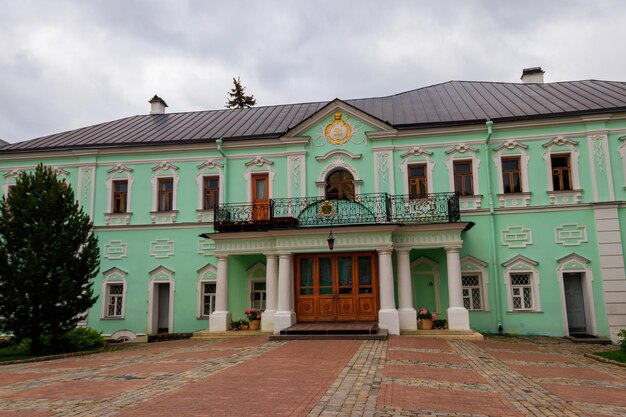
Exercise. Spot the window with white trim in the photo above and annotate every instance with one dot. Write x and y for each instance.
(258, 295)
(521, 291)
(114, 300)
(209, 289)
(472, 291)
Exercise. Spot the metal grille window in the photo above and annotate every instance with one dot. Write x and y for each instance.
(258, 295)
(115, 300)
(472, 294)
(521, 291)
(208, 298)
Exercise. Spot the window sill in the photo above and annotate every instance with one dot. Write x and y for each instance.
(508, 200)
(164, 217)
(566, 197)
(112, 318)
(117, 219)
(470, 202)
(525, 311)
(205, 215)
(203, 317)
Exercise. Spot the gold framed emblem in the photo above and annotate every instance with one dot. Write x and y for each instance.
(338, 131)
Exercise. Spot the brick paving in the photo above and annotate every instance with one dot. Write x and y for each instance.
(251, 376)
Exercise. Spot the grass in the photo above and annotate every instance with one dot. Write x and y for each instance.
(614, 355)
(12, 353)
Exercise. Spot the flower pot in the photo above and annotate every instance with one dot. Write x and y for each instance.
(255, 324)
(426, 324)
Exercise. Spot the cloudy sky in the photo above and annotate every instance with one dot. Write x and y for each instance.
(66, 64)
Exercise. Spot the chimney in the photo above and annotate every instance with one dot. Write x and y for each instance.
(158, 105)
(532, 75)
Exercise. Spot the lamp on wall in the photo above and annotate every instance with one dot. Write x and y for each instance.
(331, 240)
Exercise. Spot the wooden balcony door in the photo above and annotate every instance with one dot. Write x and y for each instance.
(336, 287)
(260, 197)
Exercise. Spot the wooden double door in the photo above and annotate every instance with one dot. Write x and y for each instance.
(336, 287)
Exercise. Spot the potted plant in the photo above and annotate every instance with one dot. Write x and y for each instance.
(254, 317)
(425, 318)
(241, 324)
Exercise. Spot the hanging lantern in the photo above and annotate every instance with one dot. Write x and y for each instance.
(331, 240)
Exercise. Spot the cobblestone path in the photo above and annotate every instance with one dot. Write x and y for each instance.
(250, 376)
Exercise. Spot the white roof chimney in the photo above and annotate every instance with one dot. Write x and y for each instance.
(158, 105)
(532, 75)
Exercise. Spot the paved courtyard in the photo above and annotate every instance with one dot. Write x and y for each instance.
(251, 376)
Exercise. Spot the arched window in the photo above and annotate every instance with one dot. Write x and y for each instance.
(340, 184)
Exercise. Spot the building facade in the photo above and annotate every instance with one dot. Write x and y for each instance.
(498, 206)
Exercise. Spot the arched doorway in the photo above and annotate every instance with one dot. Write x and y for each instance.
(339, 185)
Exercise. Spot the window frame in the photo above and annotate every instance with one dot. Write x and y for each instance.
(507, 173)
(519, 265)
(160, 192)
(471, 288)
(113, 276)
(463, 177)
(113, 297)
(214, 192)
(561, 186)
(411, 178)
(203, 297)
(114, 197)
(521, 295)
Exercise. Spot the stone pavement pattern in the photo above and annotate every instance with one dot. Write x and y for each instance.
(250, 376)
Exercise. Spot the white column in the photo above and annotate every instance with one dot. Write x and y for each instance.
(219, 321)
(271, 293)
(407, 313)
(458, 317)
(284, 316)
(387, 315)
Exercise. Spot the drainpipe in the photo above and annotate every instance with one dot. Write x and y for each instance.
(218, 142)
(492, 226)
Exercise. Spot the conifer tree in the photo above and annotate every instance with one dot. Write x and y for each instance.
(238, 98)
(48, 258)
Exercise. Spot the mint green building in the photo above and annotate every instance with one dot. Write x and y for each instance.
(499, 206)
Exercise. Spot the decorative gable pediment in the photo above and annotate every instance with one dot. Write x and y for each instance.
(164, 166)
(470, 263)
(336, 152)
(58, 171)
(114, 274)
(424, 264)
(161, 273)
(211, 164)
(259, 161)
(573, 261)
(120, 169)
(461, 148)
(14, 173)
(510, 145)
(207, 273)
(257, 270)
(560, 141)
(416, 151)
(347, 112)
(520, 262)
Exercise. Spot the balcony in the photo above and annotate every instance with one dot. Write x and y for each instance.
(363, 209)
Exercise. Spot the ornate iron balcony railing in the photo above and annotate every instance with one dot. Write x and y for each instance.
(380, 208)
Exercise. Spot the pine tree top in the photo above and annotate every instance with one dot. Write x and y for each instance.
(238, 98)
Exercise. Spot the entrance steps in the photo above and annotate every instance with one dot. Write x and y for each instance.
(587, 338)
(332, 330)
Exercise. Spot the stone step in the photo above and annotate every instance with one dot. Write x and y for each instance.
(380, 335)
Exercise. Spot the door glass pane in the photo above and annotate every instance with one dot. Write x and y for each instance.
(326, 276)
(260, 189)
(306, 276)
(345, 275)
(364, 264)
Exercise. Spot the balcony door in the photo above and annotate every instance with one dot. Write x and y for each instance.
(260, 197)
(336, 287)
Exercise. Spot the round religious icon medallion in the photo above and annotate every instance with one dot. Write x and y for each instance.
(338, 131)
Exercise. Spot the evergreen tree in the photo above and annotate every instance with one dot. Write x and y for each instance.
(48, 258)
(238, 98)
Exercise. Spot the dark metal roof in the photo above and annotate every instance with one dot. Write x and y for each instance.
(453, 102)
